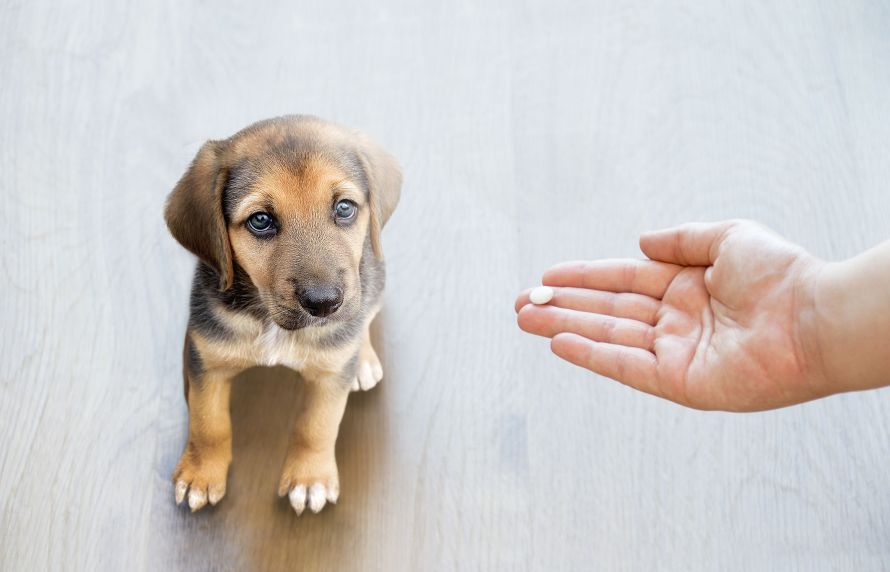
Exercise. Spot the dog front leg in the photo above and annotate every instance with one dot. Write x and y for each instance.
(203, 467)
(310, 471)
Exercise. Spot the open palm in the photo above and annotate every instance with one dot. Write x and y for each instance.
(710, 321)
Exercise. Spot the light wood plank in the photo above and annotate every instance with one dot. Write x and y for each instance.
(529, 133)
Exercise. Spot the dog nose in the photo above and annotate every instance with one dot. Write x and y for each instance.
(321, 301)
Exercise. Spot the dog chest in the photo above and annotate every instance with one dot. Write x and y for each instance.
(276, 346)
(297, 350)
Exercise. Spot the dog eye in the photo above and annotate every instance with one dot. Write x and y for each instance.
(345, 210)
(261, 224)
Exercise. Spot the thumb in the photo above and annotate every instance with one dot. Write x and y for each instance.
(691, 244)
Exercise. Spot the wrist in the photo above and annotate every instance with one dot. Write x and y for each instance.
(848, 330)
(812, 315)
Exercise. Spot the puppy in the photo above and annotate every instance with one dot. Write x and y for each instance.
(285, 217)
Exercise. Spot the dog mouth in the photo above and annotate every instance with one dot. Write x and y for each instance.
(295, 318)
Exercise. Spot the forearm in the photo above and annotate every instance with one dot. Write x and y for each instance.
(852, 321)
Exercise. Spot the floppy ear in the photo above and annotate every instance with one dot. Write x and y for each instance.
(194, 211)
(384, 186)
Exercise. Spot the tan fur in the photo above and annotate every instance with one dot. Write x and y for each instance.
(208, 453)
(194, 211)
(309, 246)
(303, 201)
(310, 457)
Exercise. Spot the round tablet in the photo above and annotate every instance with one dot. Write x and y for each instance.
(541, 295)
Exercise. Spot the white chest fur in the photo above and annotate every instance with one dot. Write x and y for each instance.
(277, 346)
(300, 349)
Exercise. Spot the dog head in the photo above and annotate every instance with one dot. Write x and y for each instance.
(293, 202)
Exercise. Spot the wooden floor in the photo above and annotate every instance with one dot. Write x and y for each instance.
(530, 132)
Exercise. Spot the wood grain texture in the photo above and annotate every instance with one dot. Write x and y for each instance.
(530, 132)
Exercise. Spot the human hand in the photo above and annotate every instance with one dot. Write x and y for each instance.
(720, 317)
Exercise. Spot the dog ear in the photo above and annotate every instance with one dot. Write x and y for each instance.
(194, 211)
(384, 186)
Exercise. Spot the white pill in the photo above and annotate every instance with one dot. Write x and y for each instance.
(541, 295)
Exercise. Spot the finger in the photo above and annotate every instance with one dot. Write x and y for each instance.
(692, 244)
(620, 305)
(549, 321)
(638, 276)
(633, 367)
(522, 299)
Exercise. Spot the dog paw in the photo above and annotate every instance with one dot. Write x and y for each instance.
(310, 483)
(369, 372)
(200, 476)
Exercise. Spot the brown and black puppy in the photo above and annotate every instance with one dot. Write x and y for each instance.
(285, 217)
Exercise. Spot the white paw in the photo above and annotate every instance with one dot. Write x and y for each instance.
(316, 497)
(368, 376)
(198, 497)
(200, 483)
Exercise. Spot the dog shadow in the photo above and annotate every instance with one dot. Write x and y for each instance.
(252, 528)
(265, 402)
